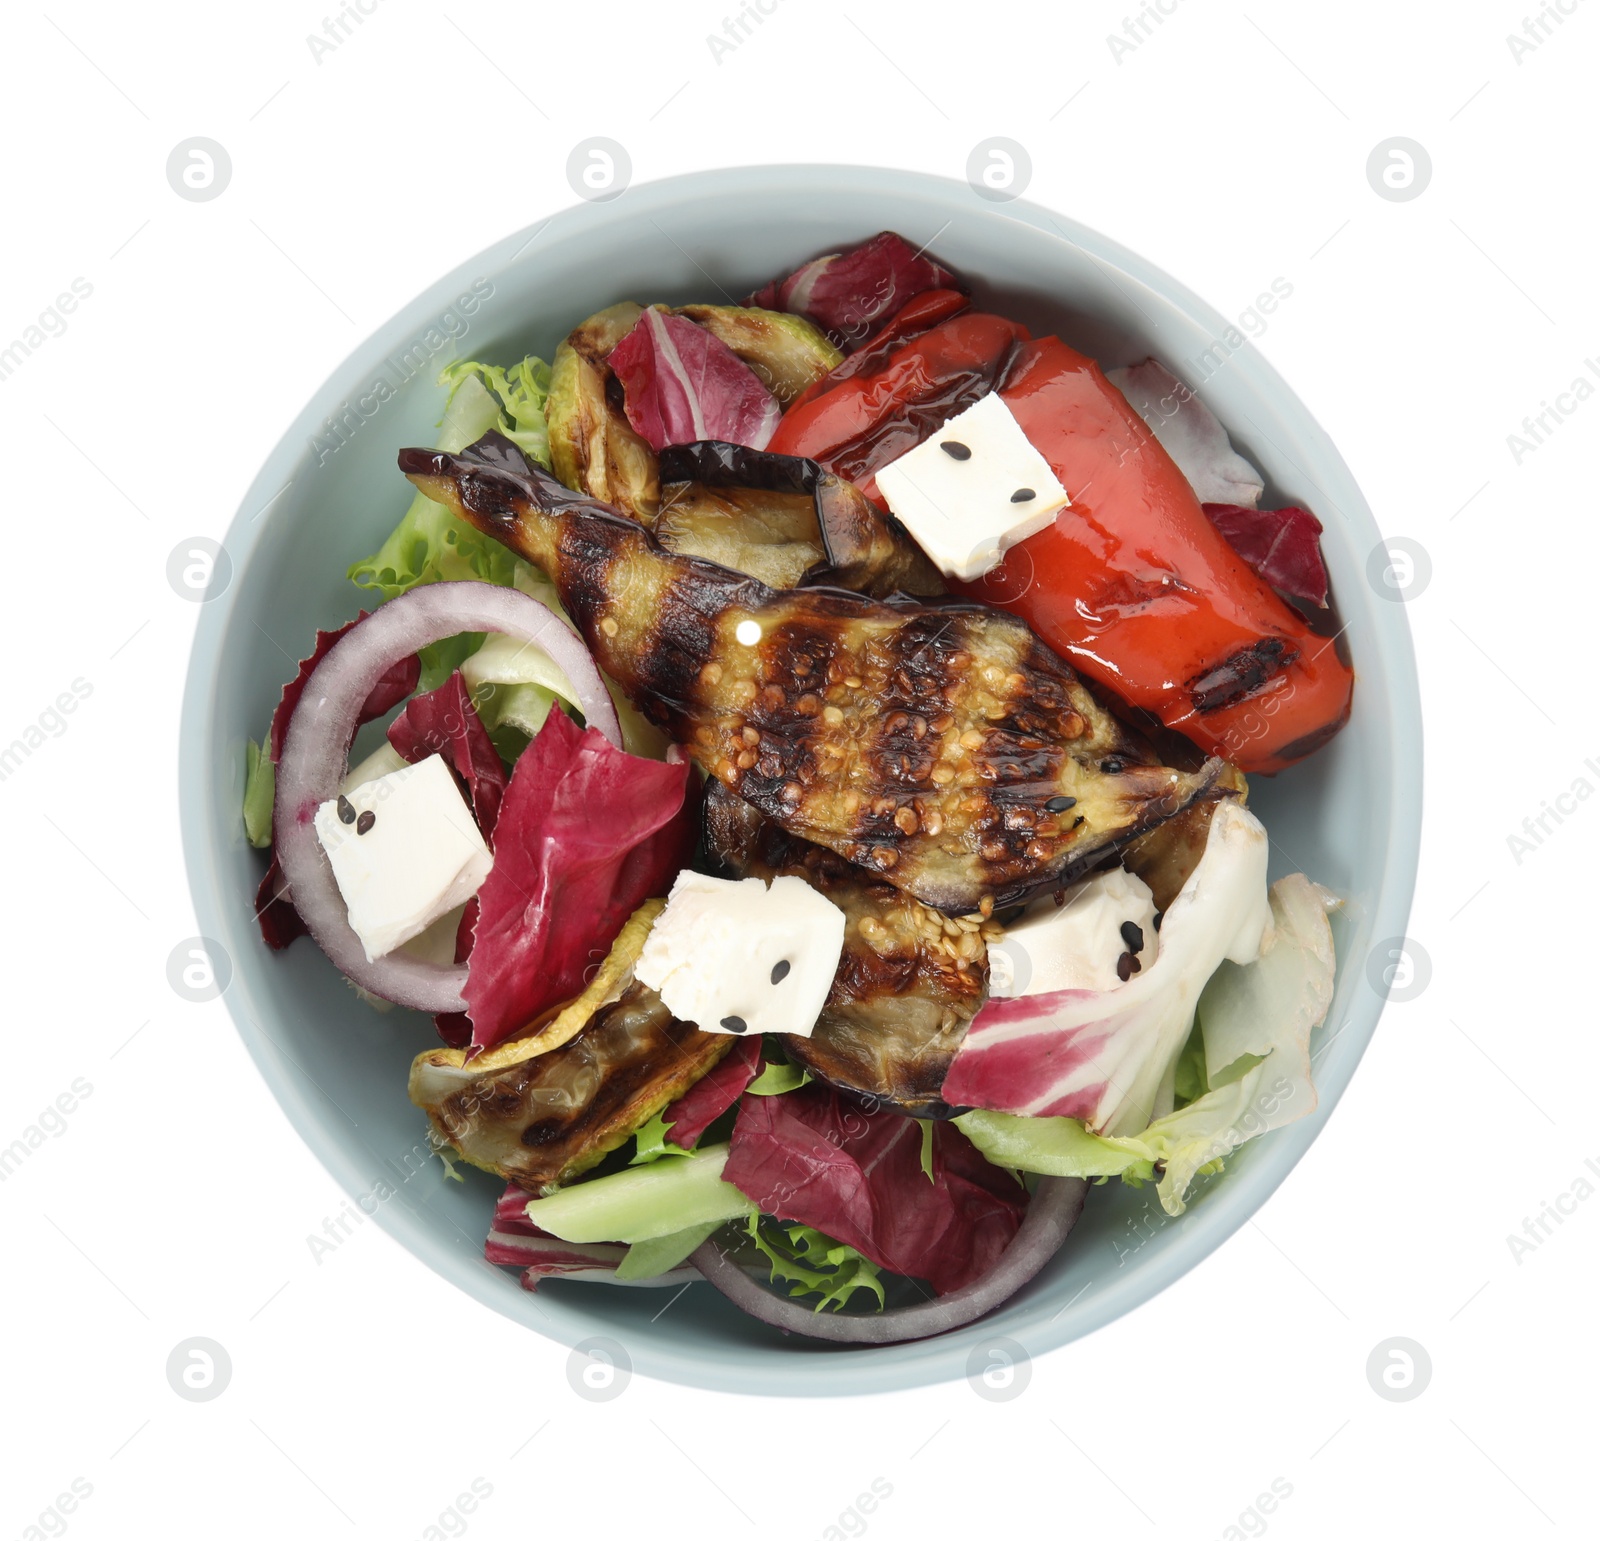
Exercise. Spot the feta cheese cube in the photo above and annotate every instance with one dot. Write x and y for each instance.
(972, 490)
(405, 850)
(1076, 945)
(740, 957)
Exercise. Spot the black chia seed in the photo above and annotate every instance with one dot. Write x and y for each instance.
(347, 814)
(955, 449)
(735, 1025)
(780, 971)
(366, 821)
(1024, 495)
(1132, 937)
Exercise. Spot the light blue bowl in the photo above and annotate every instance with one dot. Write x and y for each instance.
(1349, 817)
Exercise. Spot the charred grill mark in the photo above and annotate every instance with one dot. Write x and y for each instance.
(1236, 677)
(920, 740)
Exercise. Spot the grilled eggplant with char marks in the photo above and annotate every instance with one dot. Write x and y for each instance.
(937, 744)
(592, 445)
(594, 448)
(785, 521)
(543, 1120)
(909, 979)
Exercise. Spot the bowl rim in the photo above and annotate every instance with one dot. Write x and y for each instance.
(826, 1372)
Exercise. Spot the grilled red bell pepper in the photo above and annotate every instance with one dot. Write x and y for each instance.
(1132, 583)
(877, 410)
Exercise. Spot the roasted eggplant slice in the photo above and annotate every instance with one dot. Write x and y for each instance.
(1166, 856)
(769, 534)
(940, 745)
(909, 980)
(786, 352)
(544, 1120)
(785, 521)
(592, 445)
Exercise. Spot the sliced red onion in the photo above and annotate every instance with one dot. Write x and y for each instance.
(1054, 1210)
(316, 756)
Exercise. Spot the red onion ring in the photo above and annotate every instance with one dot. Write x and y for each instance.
(316, 758)
(1053, 1211)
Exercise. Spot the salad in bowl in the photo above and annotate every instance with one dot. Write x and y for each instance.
(812, 798)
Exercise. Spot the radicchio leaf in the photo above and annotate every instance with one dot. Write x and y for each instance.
(276, 915)
(445, 722)
(585, 834)
(712, 1095)
(849, 294)
(515, 1241)
(1104, 1056)
(1189, 432)
(392, 689)
(681, 384)
(810, 1157)
(1283, 545)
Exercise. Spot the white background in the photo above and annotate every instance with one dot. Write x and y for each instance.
(1229, 147)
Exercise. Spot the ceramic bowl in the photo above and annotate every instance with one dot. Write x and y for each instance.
(1349, 816)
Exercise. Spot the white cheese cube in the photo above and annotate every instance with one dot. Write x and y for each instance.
(740, 957)
(1075, 945)
(972, 490)
(405, 850)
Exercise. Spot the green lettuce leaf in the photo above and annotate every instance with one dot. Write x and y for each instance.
(260, 785)
(651, 1259)
(777, 1078)
(650, 1141)
(813, 1264)
(644, 1203)
(431, 544)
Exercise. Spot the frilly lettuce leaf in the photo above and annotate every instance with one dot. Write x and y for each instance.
(813, 1264)
(651, 1142)
(431, 544)
(1256, 1022)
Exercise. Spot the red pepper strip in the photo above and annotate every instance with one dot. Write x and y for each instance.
(875, 416)
(1135, 587)
(914, 317)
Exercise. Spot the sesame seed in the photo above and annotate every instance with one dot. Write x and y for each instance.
(735, 1025)
(1023, 495)
(1126, 964)
(347, 814)
(1132, 936)
(609, 626)
(1060, 804)
(366, 821)
(955, 449)
(780, 971)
